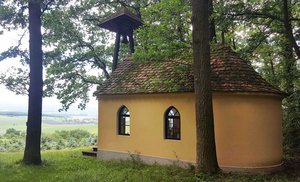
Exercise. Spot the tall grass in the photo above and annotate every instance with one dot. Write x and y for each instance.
(69, 165)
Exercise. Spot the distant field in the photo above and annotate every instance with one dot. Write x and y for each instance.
(50, 124)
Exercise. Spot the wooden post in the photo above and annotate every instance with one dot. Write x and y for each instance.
(116, 51)
(131, 42)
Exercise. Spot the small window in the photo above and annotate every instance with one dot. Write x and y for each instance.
(123, 121)
(172, 124)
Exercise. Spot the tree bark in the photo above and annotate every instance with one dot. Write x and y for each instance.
(32, 154)
(222, 37)
(291, 107)
(212, 26)
(289, 68)
(289, 29)
(272, 68)
(205, 147)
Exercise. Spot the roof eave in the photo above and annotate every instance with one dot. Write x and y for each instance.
(281, 95)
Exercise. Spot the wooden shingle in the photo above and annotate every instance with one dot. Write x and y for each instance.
(230, 73)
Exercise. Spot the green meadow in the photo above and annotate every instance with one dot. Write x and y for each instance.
(50, 124)
(58, 131)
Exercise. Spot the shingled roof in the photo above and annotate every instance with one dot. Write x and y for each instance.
(230, 73)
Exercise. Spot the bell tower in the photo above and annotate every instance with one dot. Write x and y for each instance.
(123, 23)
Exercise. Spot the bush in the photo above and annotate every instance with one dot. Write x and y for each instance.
(291, 124)
(11, 132)
(12, 145)
(14, 140)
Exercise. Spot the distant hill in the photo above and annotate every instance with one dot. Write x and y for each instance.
(7, 113)
(57, 115)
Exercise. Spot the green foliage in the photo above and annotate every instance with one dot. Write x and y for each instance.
(77, 134)
(68, 139)
(68, 44)
(81, 55)
(16, 80)
(14, 140)
(166, 33)
(291, 124)
(77, 52)
(11, 14)
(11, 132)
(12, 144)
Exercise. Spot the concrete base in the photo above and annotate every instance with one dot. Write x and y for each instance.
(253, 170)
(113, 155)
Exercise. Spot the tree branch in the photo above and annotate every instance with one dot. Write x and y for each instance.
(294, 19)
(92, 19)
(46, 6)
(86, 80)
(251, 14)
(101, 65)
(97, 61)
(14, 51)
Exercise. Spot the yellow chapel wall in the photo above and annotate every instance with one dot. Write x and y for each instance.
(247, 127)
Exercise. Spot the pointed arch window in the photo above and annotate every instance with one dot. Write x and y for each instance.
(172, 124)
(124, 121)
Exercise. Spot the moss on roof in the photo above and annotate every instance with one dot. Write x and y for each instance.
(230, 73)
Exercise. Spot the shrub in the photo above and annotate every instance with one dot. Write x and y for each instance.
(14, 140)
(12, 132)
(78, 134)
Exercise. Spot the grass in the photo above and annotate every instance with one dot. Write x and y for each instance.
(70, 165)
(19, 123)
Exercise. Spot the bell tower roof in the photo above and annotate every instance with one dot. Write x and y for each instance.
(123, 21)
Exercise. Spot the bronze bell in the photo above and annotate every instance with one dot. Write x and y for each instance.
(124, 39)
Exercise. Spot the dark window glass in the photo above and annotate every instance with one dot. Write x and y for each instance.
(123, 121)
(172, 124)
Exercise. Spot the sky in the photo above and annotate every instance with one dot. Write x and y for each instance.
(9, 101)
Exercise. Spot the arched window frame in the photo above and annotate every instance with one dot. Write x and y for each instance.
(173, 133)
(123, 121)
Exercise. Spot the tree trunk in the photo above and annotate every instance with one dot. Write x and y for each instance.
(288, 28)
(289, 68)
(32, 154)
(212, 26)
(205, 149)
(291, 107)
(272, 68)
(222, 37)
